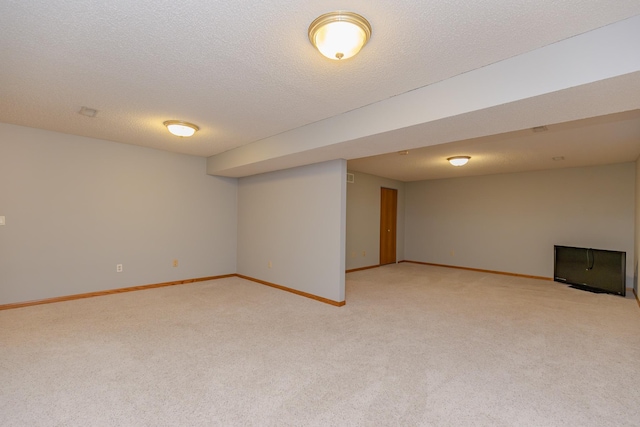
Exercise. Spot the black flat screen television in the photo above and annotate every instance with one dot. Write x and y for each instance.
(590, 269)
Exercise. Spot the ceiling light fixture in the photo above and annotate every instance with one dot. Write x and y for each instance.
(180, 128)
(339, 35)
(459, 160)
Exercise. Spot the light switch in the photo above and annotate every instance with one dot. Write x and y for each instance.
(1, 220)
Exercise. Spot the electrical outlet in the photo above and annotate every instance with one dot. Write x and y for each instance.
(175, 262)
(118, 268)
(364, 253)
(453, 252)
(270, 265)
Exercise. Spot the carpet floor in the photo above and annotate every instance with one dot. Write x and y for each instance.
(415, 345)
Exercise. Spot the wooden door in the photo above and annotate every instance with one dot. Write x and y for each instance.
(388, 217)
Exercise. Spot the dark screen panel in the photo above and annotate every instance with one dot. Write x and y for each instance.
(594, 268)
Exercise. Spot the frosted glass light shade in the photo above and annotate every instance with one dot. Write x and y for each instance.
(181, 129)
(339, 35)
(459, 160)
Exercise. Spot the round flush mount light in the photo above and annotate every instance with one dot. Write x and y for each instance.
(459, 160)
(339, 35)
(180, 128)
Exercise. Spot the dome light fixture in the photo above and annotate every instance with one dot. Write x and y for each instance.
(459, 160)
(180, 128)
(339, 35)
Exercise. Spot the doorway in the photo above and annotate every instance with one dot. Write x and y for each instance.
(388, 220)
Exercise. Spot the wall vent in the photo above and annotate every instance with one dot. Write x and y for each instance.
(350, 178)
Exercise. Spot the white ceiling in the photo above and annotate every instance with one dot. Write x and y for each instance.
(613, 138)
(245, 72)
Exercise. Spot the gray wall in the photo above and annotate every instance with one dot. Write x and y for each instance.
(295, 219)
(637, 230)
(75, 207)
(363, 220)
(510, 222)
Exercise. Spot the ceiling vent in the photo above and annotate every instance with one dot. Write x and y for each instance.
(89, 112)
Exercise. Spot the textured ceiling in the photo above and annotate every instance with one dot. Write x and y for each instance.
(613, 138)
(244, 71)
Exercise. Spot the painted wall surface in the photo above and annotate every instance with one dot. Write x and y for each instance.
(75, 207)
(510, 222)
(295, 220)
(637, 229)
(363, 220)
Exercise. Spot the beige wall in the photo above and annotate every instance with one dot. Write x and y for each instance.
(510, 222)
(363, 220)
(295, 219)
(75, 207)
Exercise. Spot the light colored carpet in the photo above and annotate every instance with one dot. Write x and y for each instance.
(415, 345)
